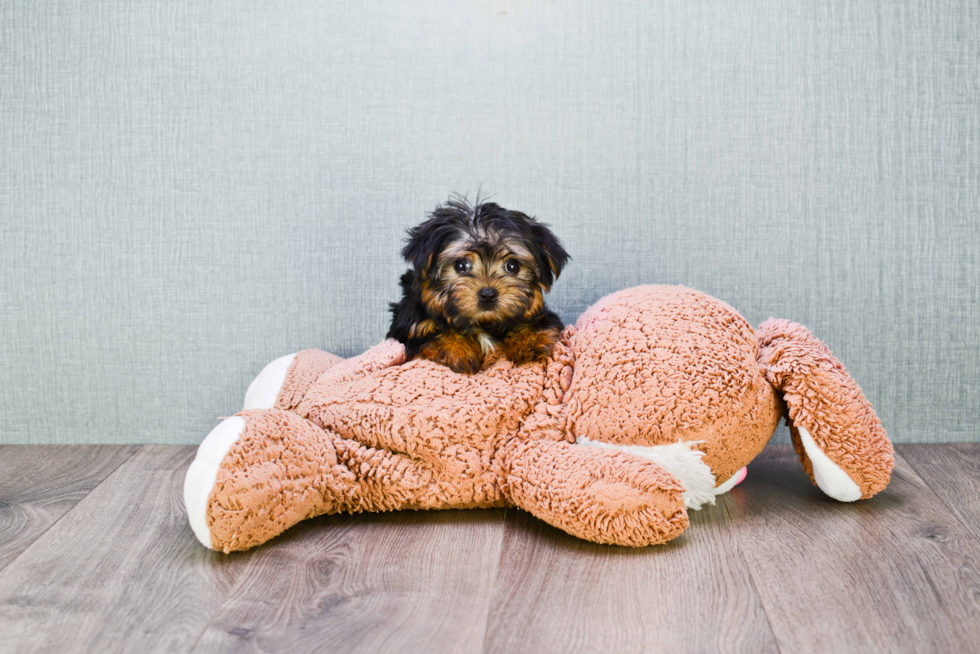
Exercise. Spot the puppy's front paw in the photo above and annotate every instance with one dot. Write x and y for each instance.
(467, 366)
(529, 345)
(459, 353)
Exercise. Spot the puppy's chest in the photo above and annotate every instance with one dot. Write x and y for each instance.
(487, 343)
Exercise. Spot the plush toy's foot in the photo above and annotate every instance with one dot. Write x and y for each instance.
(732, 482)
(204, 472)
(682, 460)
(283, 383)
(837, 435)
(597, 494)
(259, 473)
(264, 389)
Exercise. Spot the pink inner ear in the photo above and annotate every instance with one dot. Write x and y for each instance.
(740, 476)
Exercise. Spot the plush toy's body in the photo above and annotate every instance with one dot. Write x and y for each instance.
(651, 404)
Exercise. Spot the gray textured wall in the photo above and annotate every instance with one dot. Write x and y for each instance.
(190, 189)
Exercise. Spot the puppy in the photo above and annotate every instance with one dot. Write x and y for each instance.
(475, 288)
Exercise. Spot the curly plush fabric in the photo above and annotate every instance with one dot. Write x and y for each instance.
(305, 369)
(653, 385)
(823, 399)
(606, 497)
(656, 365)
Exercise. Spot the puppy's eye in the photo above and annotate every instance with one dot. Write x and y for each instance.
(462, 266)
(512, 266)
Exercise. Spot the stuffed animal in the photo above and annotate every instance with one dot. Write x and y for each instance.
(650, 405)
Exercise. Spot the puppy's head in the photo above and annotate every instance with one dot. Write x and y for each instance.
(483, 264)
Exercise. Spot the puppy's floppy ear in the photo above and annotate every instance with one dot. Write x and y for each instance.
(425, 242)
(549, 252)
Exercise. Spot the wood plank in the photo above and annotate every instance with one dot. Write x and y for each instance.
(119, 572)
(952, 471)
(556, 593)
(40, 483)
(397, 582)
(896, 573)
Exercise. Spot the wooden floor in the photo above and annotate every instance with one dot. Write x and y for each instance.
(96, 555)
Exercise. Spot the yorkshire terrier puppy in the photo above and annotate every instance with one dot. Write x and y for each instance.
(475, 288)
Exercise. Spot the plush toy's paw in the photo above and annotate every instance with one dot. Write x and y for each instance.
(684, 462)
(283, 383)
(259, 473)
(597, 494)
(204, 471)
(264, 389)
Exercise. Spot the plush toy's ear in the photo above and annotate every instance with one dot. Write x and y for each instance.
(425, 242)
(550, 254)
(838, 437)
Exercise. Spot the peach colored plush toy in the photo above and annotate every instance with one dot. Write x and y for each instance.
(651, 404)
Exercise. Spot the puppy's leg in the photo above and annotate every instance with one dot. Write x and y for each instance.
(460, 353)
(530, 343)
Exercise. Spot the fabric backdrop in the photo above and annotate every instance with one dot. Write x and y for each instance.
(191, 189)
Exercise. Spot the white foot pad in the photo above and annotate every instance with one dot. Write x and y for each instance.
(679, 459)
(204, 472)
(830, 478)
(264, 389)
(732, 482)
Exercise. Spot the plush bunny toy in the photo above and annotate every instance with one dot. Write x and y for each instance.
(650, 405)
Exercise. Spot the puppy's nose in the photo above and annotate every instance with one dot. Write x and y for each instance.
(487, 294)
